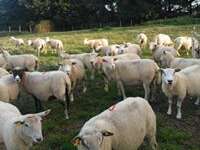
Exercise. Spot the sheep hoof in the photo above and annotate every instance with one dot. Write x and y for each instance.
(169, 112)
(178, 116)
(84, 90)
(106, 88)
(92, 77)
(66, 117)
(196, 103)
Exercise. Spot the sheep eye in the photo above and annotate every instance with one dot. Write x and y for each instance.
(26, 125)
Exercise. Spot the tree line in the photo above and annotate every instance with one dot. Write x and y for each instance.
(68, 14)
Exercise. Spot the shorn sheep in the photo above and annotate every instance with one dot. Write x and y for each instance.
(93, 44)
(26, 61)
(183, 42)
(142, 40)
(180, 84)
(38, 44)
(17, 131)
(76, 71)
(121, 127)
(9, 89)
(163, 40)
(169, 61)
(17, 41)
(56, 45)
(44, 85)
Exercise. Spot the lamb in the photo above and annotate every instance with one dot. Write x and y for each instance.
(9, 89)
(121, 127)
(169, 61)
(93, 44)
(3, 72)
(185, 42)
(38, 44)
(142, 39)
(85, 58)
(26, 61)
(17, 131)
(103, 64)
(181, 83)
(56, 45)
(157, 51)
(134, 72)
(163, 40)
(76, 71)
(44, 85)
(17, 41)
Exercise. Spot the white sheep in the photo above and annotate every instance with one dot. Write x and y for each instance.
(163, 40)
(17, 131)
(56, 45)
(95, 43)
(3, 72)
(121, 127)
(142, 39)
(76, 71)
(185, 42)
(17, 41)
(9, 89)
(38, 44)
(169, 61)
(103, 65)
(43, 85)
(195, 48)
(85, 58)
(26, 61)
(157, 51)
(180, 84)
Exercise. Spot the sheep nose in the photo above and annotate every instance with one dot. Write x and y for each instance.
(38, 139)
(170, 81)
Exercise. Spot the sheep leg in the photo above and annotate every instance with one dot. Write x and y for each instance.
(120, 84)
(106, 87)
(153, 142)
(179, 104)
(169, 112)
(92, 74)
(38, 52)
(66, 103)
(38, 104)
(147, 91)
(84, 84)
(197, 101)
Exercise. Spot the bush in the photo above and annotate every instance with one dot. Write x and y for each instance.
(44, 26)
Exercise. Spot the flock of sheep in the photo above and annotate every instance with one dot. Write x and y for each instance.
(114, 128)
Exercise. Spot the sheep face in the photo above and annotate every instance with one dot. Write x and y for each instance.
(30, 128)
(152, 46)
(29, 42)
(67, 66)
(18, 74)
(168, 76)
(91, 140)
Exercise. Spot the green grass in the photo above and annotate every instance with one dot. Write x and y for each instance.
(58, 132)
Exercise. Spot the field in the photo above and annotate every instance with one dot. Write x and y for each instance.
(172, 134)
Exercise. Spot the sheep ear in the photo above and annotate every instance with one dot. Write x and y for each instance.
(177, 70)
(44, 113)
(161, 70)
(115, 59)
(164, 52)
(107, 133)
(76, 141)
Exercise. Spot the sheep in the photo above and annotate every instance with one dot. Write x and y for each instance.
(103, 64)
(44, 85)
(9, 89)
(17, 41)
(76, 71)
(27, 61)
(3, 72)
(38, 44)
(108, 50)
(17, 131)
(169, 61)
(85, 58)
(185, 42)
(93, 44)
(121, 127)
(134, 72)
(56, 45)
(163, 40)
(195, 48)
(181, 83)
(142, 39)
(157, 51)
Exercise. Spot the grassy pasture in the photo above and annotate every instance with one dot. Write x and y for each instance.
(172, 134)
